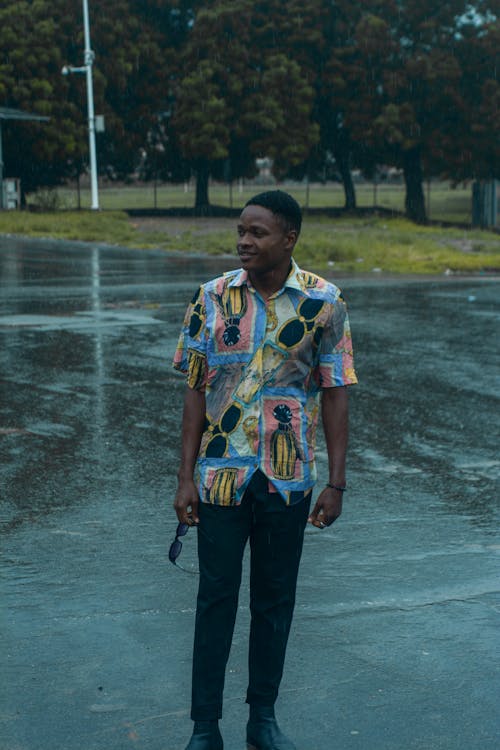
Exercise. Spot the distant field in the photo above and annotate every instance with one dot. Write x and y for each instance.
(444, 203)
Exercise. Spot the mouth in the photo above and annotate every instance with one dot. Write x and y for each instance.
(245, 255)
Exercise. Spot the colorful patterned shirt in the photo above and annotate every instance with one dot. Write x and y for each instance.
(262, 365)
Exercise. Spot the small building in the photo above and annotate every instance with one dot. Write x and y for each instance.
(10, 190)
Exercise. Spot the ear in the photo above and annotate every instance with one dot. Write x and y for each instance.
(291, 239)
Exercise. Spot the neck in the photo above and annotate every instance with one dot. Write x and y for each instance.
(270, 282)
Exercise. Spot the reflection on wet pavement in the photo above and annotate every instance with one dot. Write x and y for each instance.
(394, 639)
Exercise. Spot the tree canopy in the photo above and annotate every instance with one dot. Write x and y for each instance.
(205, 88)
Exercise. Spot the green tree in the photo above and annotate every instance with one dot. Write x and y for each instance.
(406, 68)
(137, 45)
(241, 98)
(30, 79)
(477, 125)
(134, 58)
(329, 65)
(211, 86)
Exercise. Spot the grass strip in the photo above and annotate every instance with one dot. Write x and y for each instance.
(347, 244)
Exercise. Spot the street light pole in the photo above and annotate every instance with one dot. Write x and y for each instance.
(87, 69)
(89, 59)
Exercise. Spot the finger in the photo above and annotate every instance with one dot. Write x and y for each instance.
(319, 521)
(319, 524)
(187, 510)
(183, 513)
(180, 510)
(313, 515)
(195, 519)
(183, 516)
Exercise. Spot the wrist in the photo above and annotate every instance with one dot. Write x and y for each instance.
(185, 477)
(340, 487)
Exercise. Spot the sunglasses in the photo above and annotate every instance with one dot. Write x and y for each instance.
(176, 547)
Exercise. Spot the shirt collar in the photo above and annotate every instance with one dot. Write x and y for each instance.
(295, 279)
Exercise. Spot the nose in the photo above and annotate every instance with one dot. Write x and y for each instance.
(244, 240)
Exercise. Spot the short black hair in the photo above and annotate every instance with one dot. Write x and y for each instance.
(282, 205)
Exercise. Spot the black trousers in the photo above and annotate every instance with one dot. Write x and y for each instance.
(276, 533)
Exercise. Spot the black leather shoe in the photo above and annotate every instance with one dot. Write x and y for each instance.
(209, 740)
(263, 732)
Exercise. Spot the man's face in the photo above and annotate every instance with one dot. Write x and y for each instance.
(264, 245)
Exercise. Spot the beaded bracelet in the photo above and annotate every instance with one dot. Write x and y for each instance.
(336, 487)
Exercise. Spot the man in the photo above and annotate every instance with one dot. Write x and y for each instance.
(259, 346)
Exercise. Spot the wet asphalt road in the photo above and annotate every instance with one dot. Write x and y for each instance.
(395, 641)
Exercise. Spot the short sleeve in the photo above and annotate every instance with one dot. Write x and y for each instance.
(336, 363)
(190, 354)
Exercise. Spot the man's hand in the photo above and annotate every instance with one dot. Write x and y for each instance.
(193, 419)
(327, 509)
(334, 411)
(186, 502)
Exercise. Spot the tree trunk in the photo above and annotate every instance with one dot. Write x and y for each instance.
(343, 163)
(201, 203)
(414, 199)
